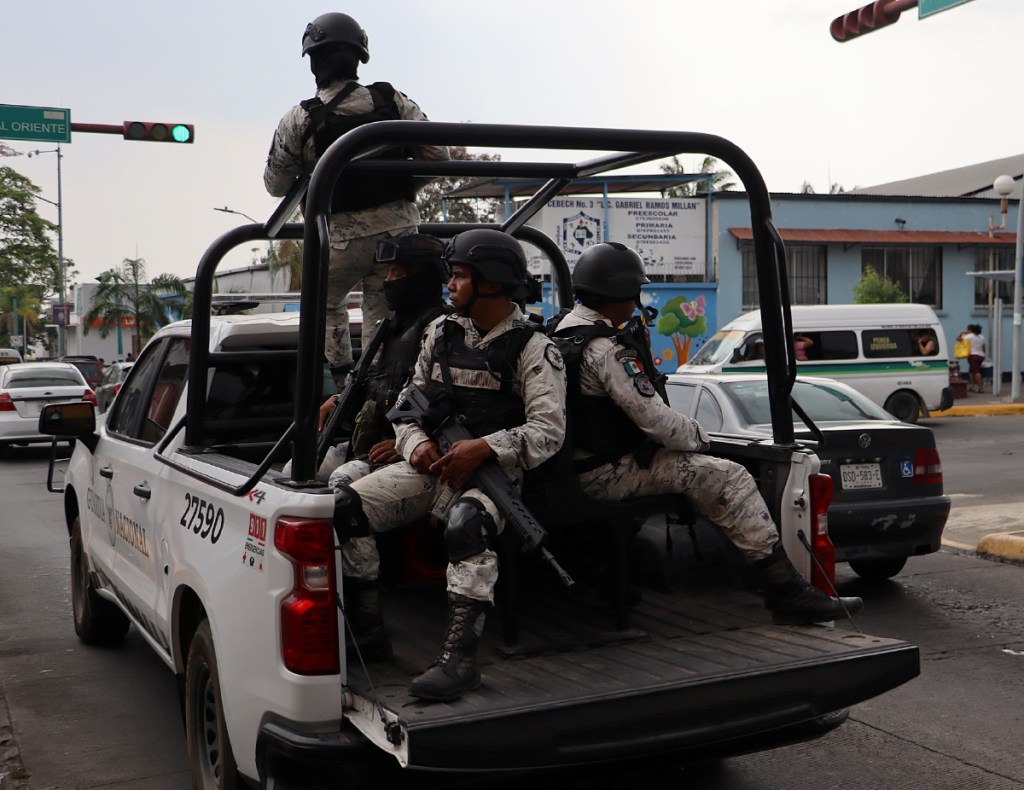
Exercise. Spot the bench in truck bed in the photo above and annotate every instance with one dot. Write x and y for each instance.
(695, 671)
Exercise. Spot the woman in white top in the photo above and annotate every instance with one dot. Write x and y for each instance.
(975, 358)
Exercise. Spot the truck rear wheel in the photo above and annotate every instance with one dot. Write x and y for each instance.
(97, 620)
(209, 750)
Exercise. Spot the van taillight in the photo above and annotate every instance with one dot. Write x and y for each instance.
(309, 614)
(927, 467)
(823, 571)
(6, 404)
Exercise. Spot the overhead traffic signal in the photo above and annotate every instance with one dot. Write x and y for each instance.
(870, 17)
(159, 132)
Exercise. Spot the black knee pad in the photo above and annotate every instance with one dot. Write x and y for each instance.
(468, 530)
(349, 519)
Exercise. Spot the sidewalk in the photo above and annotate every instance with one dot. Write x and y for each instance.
(978, 404)
(989, 530)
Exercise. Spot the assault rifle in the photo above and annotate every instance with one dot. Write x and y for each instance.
(351, 397)
(414, 406)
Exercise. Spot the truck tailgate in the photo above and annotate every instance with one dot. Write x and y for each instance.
(695, 671)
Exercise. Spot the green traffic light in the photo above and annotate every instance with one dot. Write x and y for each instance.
(181, 133)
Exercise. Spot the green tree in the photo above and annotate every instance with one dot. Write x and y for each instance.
(430, 196)
(26, 251)
(875, 289)
(709, 167)
(123, 293)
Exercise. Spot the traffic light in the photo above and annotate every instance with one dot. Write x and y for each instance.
(870, 17)
(159, 132)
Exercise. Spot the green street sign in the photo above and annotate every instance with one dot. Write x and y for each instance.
(929, 7)
(42, 124)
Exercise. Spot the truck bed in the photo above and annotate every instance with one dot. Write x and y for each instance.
(700, 671)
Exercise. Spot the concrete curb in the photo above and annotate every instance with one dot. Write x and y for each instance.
(1006, 545)
(980, 409)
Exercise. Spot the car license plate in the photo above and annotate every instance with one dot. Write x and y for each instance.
(861, 475)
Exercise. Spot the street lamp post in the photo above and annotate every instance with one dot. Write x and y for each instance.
(227, 210)
(1018, 265)
(61, 337)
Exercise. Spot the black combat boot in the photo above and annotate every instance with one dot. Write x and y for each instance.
(456, 669)
(366, 623)
(792, 601)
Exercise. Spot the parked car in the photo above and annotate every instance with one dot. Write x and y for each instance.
(26, 388)
(90, 367)
(113, 377)
(888, 501)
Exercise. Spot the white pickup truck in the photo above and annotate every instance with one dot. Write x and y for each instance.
(183, 524)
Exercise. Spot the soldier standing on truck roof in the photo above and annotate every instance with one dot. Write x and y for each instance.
(364, 210)
(628, 442)
(488, 365)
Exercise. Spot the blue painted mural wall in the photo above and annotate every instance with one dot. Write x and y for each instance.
(687, 317)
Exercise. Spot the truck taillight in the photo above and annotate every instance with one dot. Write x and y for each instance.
(309, 617)
(90, 397)
(823, 570)
(6, 404)
(927, 467)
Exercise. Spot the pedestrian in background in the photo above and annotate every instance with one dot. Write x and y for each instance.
(364, 211)
(973, 335)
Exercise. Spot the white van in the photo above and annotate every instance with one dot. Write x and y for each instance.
(896, 354)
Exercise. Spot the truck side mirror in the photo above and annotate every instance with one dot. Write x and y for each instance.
(71, 420)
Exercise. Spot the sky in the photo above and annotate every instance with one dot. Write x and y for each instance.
(913, 98)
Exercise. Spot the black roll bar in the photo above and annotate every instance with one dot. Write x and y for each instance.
(346, 157)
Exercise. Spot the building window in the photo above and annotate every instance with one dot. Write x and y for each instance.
(917, 270)
(807, 266)
(993, 259)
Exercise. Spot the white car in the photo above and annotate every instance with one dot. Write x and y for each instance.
(26, 388)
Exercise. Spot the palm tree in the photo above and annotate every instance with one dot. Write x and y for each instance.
(123, 293)
(719, 178)
(20, 301)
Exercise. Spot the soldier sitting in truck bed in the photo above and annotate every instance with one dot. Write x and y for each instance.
(628, 442)
(487, 365)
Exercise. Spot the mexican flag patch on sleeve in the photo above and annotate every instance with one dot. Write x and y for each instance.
(632, 367)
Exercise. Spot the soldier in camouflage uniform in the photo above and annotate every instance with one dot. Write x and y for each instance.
(629, 443)
(487, 364)
(363, 212)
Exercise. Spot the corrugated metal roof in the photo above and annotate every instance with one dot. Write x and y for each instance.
(969, 181)
(887, 237)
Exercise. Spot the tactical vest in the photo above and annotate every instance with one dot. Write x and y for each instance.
(595, 424)
(386, 377)
(325, 126)
(478, 384)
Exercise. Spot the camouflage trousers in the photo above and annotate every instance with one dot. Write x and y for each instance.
(352, 264)
(720, 489)
(332, 458)
(396, 495)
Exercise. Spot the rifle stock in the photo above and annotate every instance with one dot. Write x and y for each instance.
(351, 398)
(413, 406)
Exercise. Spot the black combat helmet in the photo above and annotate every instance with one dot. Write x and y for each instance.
(609, 271)
(416, 248)
(336, 29)
(495, 255)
